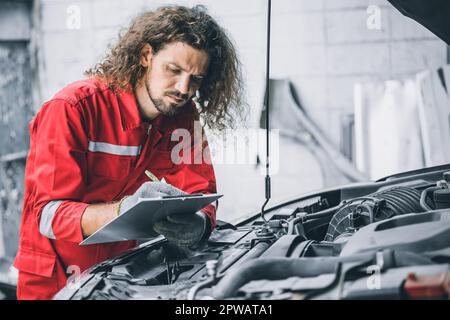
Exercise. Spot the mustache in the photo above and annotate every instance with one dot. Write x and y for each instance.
(178, 94)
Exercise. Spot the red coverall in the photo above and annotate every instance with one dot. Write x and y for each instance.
(89, 145)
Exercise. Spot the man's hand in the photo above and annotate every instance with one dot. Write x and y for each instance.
(99, 214)
(149, 190)
(185, 230)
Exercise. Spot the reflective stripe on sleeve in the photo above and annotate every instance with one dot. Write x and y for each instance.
(48, 213)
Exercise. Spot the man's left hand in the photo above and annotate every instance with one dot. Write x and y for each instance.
(185, 230)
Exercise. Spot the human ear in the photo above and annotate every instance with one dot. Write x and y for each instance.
(146, 55)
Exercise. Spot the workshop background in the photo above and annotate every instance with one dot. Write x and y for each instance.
(362, 73)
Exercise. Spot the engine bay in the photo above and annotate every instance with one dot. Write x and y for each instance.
(388, 239)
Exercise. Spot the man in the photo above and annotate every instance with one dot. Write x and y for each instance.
(92, 142)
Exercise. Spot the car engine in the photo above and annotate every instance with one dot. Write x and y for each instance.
(388, 239)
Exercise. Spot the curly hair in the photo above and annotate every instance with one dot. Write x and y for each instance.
(220, 100)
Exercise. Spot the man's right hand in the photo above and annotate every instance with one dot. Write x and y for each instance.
(149, 190)
(97, 215)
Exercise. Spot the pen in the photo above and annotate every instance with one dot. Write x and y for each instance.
(153, 177)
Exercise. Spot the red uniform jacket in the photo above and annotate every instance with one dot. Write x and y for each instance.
(88, 144)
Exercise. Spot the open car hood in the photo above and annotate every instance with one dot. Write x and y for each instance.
(433, 14)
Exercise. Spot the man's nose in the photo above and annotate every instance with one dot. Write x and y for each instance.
(183, 84)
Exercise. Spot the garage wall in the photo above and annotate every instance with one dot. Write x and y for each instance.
(333, 48)
(72, 44)
(16, 100)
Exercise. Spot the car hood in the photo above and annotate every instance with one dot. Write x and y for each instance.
(433, 14)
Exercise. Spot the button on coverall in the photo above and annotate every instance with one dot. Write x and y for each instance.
(89, 145)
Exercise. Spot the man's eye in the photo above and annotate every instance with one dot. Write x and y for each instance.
(173, 70)
(197, 80)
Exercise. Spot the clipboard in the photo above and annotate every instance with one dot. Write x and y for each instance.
(136, 223)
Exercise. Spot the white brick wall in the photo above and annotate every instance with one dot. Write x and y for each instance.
(298, 28)
(413, 56)
(296, 6)
(350, 27)
(303, 60)
(357, 59)
(403, 28)
(54, 15)
(352, 4)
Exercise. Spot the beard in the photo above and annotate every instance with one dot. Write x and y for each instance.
(167, 109)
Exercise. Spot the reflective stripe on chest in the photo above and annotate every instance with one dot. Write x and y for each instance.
(114, 149)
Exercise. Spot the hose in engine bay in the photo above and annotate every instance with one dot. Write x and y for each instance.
(283, 268)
